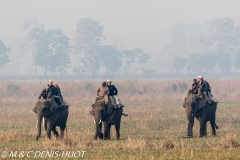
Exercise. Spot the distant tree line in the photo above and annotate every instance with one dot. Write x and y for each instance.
(192, 48)
(203, 48)
(52, 49)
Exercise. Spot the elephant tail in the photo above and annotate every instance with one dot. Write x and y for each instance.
(216, 126)
(124, 114)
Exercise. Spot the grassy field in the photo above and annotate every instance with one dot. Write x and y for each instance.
(155, 128)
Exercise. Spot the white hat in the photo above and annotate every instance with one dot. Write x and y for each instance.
(109, 80)
(199, 77)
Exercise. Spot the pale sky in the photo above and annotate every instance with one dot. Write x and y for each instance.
(136, 23)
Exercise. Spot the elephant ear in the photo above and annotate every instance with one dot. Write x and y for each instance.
(35, 110)
(38, 107)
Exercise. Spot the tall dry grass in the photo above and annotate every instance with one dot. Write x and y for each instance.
(129, 90)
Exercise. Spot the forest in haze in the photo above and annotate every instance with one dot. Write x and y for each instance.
(210, 48)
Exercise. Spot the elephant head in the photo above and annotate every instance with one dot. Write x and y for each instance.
(42, 107)
(191, 103)
(99, 110)
(42, 110)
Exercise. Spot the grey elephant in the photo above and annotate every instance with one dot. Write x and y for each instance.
(52, 117)
(108, 115)
(196, 107)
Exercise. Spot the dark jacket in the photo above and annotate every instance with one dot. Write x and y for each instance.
(52, 92)
(112, 90)
(195, 87)
(205, 87)
(58, 92)
(43, 94)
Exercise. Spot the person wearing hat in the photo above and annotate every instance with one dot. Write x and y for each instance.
(205, 89)
(44, 93)
(102, 93)
(112, 93)
(204, 85)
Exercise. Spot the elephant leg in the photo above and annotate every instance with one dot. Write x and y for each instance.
(105, 132)
(202, 127)
(49, 128)
(55, 132)
(213, 125)
(100, 134)
(190, 127)
(108, 132)
(45, 124)
(117, 127)
(62, 128)
(205, 129)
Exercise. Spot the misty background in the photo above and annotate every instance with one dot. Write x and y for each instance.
(119, 39)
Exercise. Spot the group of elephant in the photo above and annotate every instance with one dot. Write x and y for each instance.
(108, 115)
(103, 115)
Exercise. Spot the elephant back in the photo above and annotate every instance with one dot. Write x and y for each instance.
(202, 103)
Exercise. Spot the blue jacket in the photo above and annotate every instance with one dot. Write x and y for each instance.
(112, 90)
(205, 87)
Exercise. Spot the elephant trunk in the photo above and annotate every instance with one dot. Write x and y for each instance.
(97, 121)
(39, 123)
(188, 111)
(98, 118)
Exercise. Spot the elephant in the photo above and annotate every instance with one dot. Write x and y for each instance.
(108, 115)
(193, 104)
(52, 117)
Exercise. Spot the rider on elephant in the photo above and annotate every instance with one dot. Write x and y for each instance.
(195, 87)
(205, 89)
(53, 95)
(102, 93)
(113, 94)
(52, 89)
(58, 94)
(44, 93)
